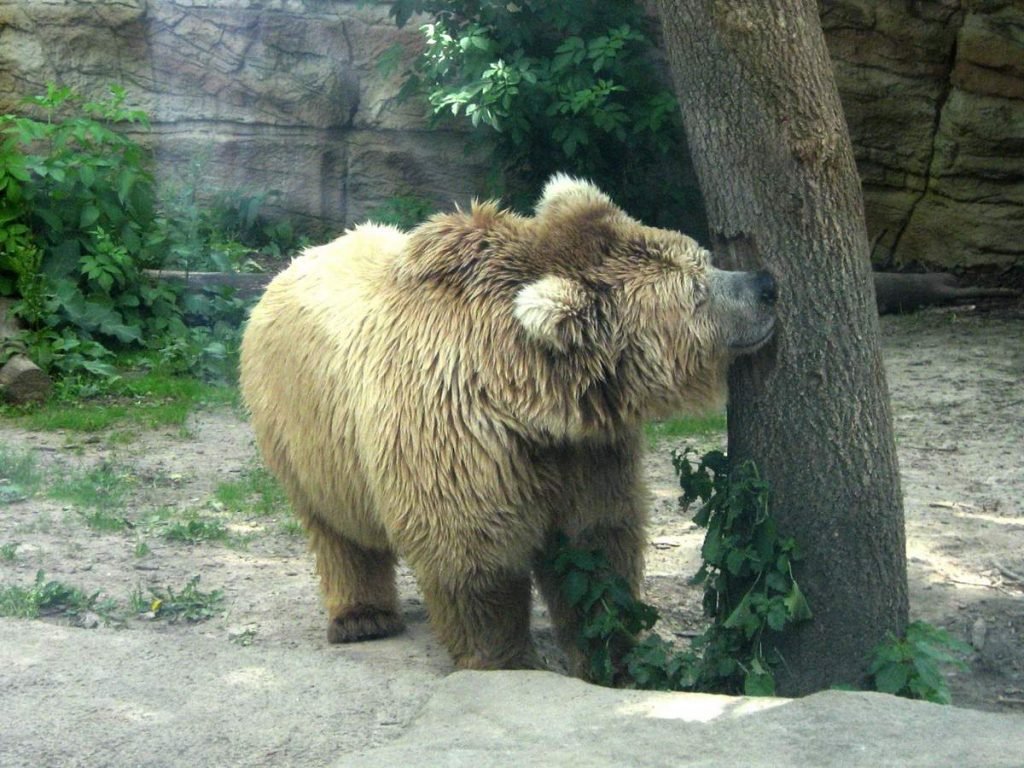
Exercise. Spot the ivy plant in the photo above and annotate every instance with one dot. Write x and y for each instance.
(749, 593)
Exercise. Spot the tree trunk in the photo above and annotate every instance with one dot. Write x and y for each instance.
(776, 168)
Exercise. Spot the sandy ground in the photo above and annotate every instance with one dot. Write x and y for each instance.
(957, 382)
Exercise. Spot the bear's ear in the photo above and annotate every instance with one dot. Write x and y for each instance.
(563, 191)
(555, 311)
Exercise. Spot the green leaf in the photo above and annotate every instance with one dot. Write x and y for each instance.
(892, 678)
(759, 684)
(90, 214)
(574, 586)
(797, 605)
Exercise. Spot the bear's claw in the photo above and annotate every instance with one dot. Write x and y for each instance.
(363, 623)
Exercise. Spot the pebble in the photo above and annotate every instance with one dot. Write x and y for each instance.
(978, 632)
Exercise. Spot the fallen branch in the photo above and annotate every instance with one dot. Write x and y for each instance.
(1007, 573)
(903, 291)
(244, 283)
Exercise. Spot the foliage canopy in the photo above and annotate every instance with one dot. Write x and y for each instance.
(571, 87)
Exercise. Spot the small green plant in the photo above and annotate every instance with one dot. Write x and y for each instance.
(690, 426)
(105, 522)
(98, 491)
(292, 527)
(402, 211)
(749, 592)
(257, 492)
(190, 604)
(196, 530)
(610, 615)
(20, 477)
(141, 548)
(49, 597)
(911, 666)
(749, 588)
(9, 551)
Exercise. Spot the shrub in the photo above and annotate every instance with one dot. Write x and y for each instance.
(76, 224)
(558, 87)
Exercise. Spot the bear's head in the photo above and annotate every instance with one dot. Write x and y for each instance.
(633, 317)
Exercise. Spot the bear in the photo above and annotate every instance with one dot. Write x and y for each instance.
(462, 395)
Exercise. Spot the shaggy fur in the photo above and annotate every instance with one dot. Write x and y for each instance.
(457, 395)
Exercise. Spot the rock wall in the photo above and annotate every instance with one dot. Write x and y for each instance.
(260, 94)
(934, 96)
(287, 95)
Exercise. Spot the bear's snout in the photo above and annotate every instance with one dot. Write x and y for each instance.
(744, 308)
(764, 286)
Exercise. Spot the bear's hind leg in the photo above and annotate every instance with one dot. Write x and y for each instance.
(483, 622)
(358, 585)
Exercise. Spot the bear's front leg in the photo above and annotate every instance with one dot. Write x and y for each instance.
(482, 619)
(623, 545)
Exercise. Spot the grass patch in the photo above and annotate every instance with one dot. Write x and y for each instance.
(683, 427)
(99, 490)
(147, 398)
(104, 522)
(19, 475)
(196, 531)
(255, 492)
(189, 528)
(292, 527)
(49, 598)
(9, 551)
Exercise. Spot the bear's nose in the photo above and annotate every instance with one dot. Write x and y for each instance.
(764, 285)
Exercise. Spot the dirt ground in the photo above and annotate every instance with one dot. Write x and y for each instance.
(957, 382)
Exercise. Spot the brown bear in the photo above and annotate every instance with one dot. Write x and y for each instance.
(458, 395)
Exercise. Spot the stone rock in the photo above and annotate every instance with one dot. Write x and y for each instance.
(538, 718)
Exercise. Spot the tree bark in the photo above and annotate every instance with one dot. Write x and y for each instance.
(776, 168)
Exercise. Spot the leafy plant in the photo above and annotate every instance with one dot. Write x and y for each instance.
(50, 597)
(749, 592)
(76, 218)
(610, 615)
(402, 211)
(19, 475)
(556, 86)
(190, 604)
(196, 530)
(747, 571)
(911, 666)
(79, 223)
(219, 231)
